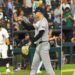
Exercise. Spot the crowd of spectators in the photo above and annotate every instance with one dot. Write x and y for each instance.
(68, 12)
(6, 9)
(68, 18)
(68, 24)
(19, 15)
(24, 16)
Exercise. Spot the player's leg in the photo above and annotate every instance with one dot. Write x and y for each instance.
(39, 67)
(6, 62)
(44, 53)
(5, 57)
(35, 63)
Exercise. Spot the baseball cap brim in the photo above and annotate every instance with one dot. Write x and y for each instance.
(38, 10)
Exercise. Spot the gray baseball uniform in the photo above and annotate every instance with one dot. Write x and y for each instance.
(42, 49)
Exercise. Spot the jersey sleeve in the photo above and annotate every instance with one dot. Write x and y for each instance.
(42, 26)
(36, 24)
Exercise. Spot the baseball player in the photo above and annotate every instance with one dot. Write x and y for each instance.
(4, 42)
(42, 45)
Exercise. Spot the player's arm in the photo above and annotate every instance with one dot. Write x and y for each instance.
(6, 34)
(38, 36)
(7, 41)
(29, 25)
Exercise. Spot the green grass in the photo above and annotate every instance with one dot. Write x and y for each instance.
(24, 72)
(27, 72)
(68, 67)
(2, 69)
(67, 73)
(43, 73)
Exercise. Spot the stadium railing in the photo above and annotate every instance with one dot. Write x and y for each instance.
(71, 47)
(32, 50)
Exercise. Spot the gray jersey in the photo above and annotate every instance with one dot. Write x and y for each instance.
(42, 50)
(41, 25)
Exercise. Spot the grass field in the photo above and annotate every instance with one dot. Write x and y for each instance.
(67, 69)
(28, 72)
(24, 72)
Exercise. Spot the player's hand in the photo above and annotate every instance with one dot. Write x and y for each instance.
(32, 44)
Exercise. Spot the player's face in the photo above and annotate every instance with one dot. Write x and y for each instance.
(38, 15)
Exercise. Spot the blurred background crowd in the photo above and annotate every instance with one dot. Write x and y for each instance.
(68, 29)
(19, 15)
(24, 16)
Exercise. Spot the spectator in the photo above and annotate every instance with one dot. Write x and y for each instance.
(5, 19)
(67, 17)
(48, 2)
(73, 40)
(25, 42)
(35, 5)
(54, 38)
(15, 20)
(50, 14)
(57, 14)
(65, 4)
(58, 40)
(27, 3)
(16, 1)
(73, 7)
(16, 41)
(9, 5)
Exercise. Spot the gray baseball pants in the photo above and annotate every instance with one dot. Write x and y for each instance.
(42, 53)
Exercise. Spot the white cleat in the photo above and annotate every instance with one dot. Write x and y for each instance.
(7, 70)
(38, 72)
(18, 69)
(73, 73)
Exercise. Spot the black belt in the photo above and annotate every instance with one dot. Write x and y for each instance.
(42, 42)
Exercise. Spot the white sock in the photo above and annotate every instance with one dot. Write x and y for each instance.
(39, 67)
(7, 65)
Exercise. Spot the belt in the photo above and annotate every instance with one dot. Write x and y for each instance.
(42, 42)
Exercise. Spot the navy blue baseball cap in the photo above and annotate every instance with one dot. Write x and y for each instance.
(43, 11)
(39, 10)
